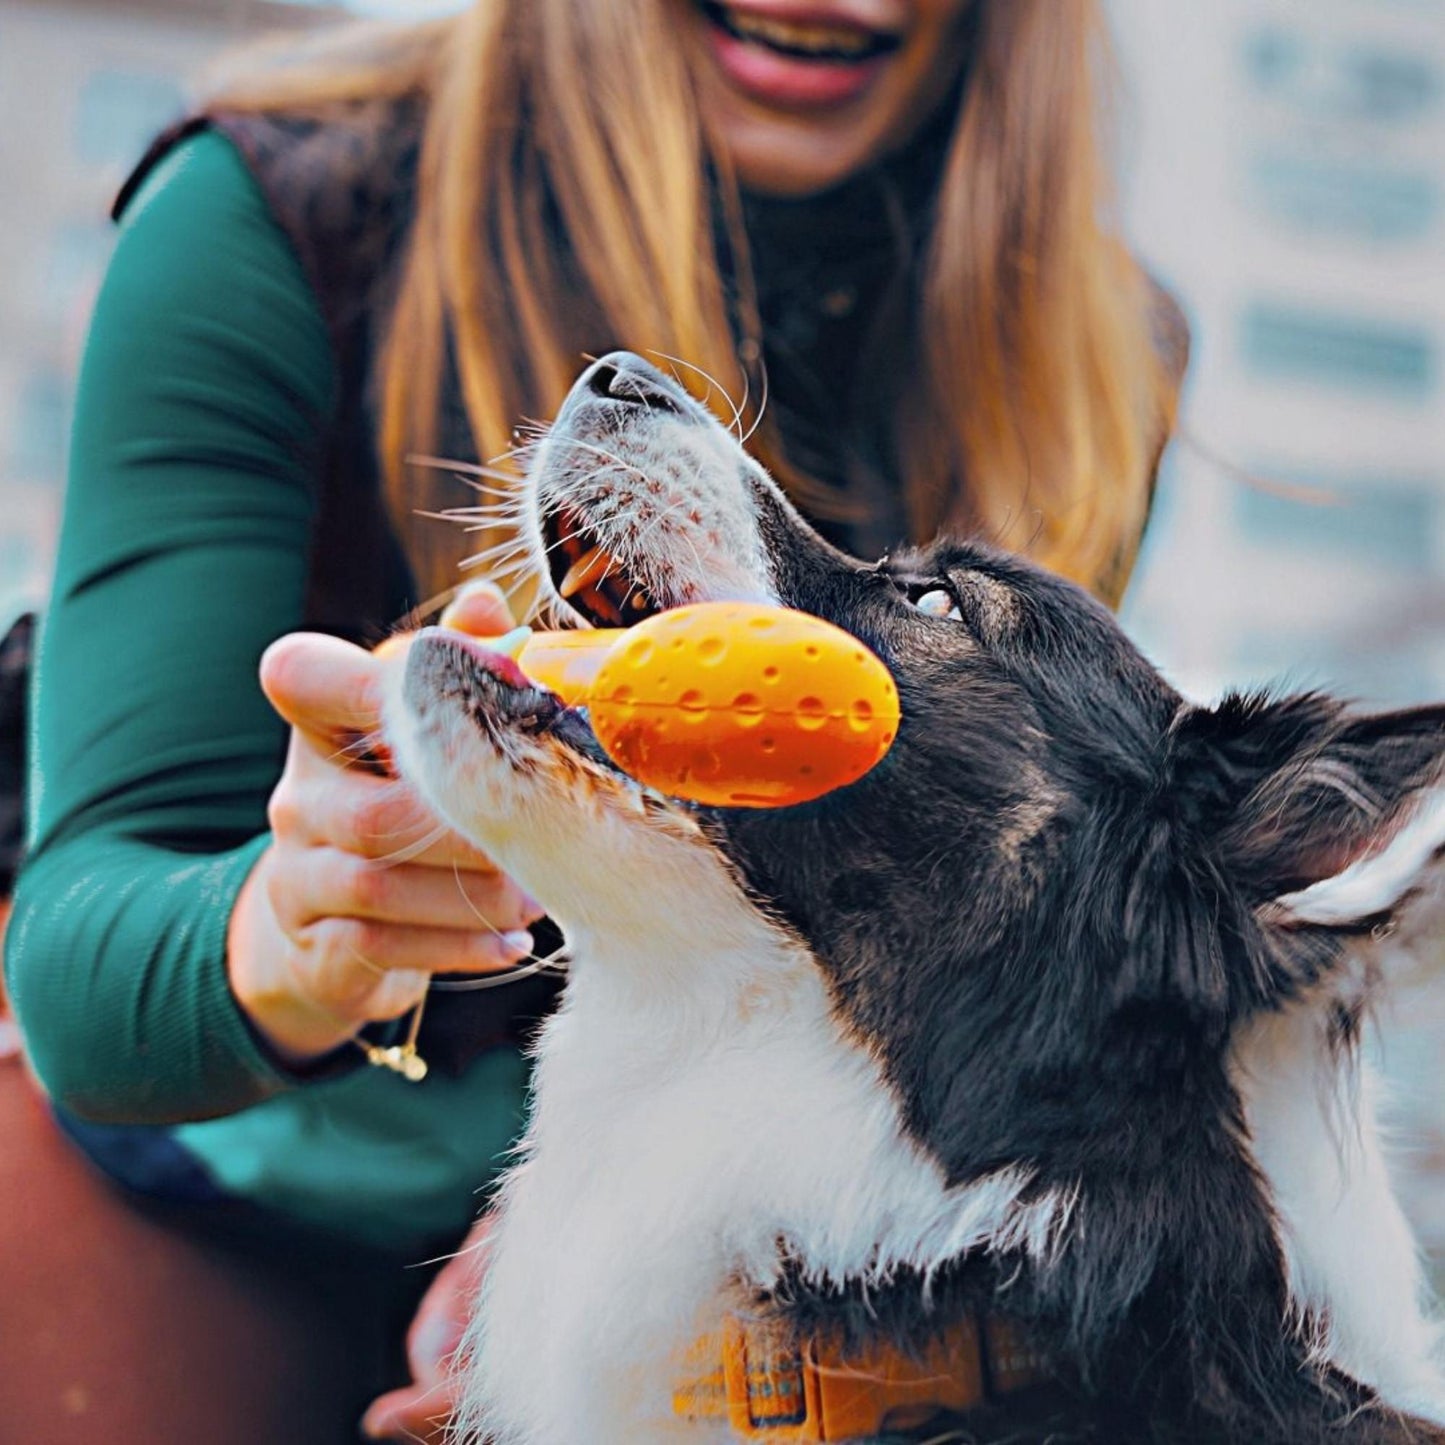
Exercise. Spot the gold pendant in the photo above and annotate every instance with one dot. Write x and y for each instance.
(401, 1059)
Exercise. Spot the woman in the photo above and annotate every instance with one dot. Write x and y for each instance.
(882, 213)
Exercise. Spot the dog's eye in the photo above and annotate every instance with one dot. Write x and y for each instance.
(938, 602)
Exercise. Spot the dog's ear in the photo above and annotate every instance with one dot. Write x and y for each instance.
(1321, 814)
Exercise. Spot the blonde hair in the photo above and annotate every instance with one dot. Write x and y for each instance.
(565, 205)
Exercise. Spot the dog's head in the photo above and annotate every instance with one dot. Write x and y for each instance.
(1049, 909)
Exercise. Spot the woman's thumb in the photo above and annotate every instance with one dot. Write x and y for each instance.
(479, 608)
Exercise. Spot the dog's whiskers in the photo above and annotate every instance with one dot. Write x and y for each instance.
(557, 963)
(504, 552)
(713, 383)
(762, 404)
(362, 748)
(408, 851)
(508, 509)
(469, 478)
(525, 967)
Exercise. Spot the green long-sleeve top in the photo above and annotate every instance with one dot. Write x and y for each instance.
(207, 387)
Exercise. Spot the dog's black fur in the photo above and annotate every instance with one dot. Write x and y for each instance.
(1049, 912)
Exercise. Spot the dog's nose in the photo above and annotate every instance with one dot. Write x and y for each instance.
(623, 376)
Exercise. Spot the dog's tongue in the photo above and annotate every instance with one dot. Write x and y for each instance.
(563, 663)
(497, 656)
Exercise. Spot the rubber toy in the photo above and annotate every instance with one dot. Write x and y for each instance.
(731, 704)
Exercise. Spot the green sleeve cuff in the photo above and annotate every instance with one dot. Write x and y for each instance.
(98, 900)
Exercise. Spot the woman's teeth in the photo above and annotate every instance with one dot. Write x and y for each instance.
(811, 42)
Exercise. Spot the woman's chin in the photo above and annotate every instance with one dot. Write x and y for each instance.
(774, 158)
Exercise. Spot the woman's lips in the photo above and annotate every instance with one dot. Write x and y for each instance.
(845, 61)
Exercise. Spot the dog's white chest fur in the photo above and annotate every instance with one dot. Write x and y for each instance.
(680, 1136)
(697, 1105)
(657, 1138)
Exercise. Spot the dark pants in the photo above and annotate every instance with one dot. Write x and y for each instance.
(140, 1324)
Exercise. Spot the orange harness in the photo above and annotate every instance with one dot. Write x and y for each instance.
(784, 1394)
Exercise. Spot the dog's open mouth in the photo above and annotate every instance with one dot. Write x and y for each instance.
(636, 502)
(588, 578)
(640, 501)
(597, 592)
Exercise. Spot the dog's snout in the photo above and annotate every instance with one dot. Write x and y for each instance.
(625, 377)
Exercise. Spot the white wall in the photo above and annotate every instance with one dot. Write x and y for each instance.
(1285, 175)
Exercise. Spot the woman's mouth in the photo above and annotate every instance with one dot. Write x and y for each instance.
(795, 56)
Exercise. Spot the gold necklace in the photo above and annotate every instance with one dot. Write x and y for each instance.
(404, 1059)
(400, 1058)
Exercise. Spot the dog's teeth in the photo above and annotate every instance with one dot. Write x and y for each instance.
(587, 569)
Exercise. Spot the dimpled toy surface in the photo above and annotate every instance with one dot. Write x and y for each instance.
(730, 704)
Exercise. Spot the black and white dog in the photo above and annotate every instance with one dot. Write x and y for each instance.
(1053, 1014)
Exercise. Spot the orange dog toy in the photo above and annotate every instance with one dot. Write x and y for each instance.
(734, 704)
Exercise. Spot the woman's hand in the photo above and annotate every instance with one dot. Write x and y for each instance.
(421, 1411)
(346, 915)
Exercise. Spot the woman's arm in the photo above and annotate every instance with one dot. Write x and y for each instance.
(203, 400)
(171, 958)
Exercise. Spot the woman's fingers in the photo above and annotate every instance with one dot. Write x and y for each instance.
(363, 892)
(376, 818)
(324, 687)
(330, 882)
(481, 609)
(329, 947)
(422, 1410)
(328, 687)
(416, 1414)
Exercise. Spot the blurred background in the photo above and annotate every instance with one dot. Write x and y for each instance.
(1282, 171)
